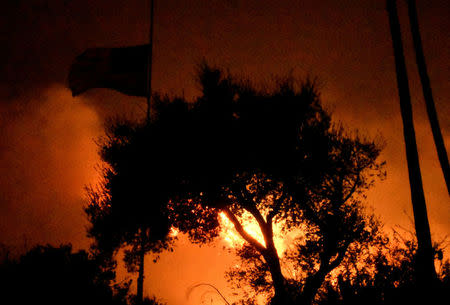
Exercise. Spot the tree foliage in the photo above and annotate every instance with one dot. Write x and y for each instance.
(383, 272)
(272, 154)
(127, 209)
(56, 275)
(275, 155)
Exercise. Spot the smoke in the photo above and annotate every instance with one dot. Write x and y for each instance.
(47, 155)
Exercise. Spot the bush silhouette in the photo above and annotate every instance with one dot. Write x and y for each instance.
(56, 275)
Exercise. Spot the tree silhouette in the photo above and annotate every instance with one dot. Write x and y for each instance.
(271, 154)
(385, 275)
(56, 275)
(127, 210)
(327, 237)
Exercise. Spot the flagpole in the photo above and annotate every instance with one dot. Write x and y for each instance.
(150, 59)
(140, 280)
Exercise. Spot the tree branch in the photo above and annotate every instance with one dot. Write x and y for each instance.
(258, 216)
(265, 227)
(351, 191)
(340, 257)
(240, 229)
(276, 208)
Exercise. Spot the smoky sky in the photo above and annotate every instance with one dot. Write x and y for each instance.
(47, 144)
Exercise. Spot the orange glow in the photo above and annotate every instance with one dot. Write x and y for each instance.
(174, 232)
(232, 237)
(282, 240)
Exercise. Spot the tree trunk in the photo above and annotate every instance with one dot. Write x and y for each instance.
(427, 93)
(281, 296)
(314, 282)
(425, 256)
(312, 285)
(140, 280)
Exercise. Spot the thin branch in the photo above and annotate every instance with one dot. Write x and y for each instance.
(277, 207)
(352, 190)
(340, 257)
(338, 260)
(210, 285)
(251, 207)
(258, 216)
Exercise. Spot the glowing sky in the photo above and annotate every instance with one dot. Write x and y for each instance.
(47, 149)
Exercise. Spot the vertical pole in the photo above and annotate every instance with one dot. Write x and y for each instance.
(427, 93)
(150, 61)
(425, 255)
(140, 281)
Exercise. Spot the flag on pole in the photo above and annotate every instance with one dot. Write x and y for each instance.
(121, 69)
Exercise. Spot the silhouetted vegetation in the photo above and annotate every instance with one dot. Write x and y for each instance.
(56, 275)
(387, 275)
(271, 155)
(274, 155)
(127, 210)
(241, 150)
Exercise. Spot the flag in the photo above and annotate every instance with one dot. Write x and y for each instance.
(121, 69)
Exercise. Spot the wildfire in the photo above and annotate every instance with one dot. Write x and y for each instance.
(173, 232)
(234, 240)
(232, 237)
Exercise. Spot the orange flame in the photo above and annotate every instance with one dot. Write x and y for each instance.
(234, 240)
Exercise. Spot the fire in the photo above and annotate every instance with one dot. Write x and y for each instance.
(174, 232)
(232, 237)
(234, 240)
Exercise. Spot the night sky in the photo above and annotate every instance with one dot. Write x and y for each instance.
(47, 138)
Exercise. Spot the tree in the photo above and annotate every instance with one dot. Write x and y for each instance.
(56, 275)
(270, 154)
(324, 242)
(273, 155)
(330, 216)
(127, 209)
(385, 274)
